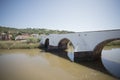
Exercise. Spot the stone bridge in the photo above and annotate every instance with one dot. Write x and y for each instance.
(81, 44)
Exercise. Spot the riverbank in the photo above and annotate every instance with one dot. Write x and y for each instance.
(18, 45)
(113, 44)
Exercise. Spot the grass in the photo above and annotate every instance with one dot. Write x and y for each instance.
(114, 43)
(18, 45)
(111, 47)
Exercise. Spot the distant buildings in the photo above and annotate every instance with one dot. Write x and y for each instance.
(5, 36)
(26, 36)
(22, 37)
(35, 36)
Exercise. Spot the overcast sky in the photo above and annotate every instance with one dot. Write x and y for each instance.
(72, 15)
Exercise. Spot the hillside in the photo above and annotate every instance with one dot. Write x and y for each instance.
(31, 31)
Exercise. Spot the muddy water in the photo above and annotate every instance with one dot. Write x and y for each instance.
(35, 64)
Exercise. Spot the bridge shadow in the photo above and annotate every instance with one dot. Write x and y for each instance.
(93, 64)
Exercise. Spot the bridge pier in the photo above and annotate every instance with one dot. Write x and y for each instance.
(77, 56)
(85, 56)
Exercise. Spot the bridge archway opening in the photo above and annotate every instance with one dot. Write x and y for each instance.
(46, 43)
(108, 52)
(65, 44)
(99, 48)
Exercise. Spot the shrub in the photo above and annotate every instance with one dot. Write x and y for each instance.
(32, 40)
(17, 45)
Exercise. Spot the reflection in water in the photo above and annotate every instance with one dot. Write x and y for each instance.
(37, 65)
(71, 56)
(70, 51)
(111, 61)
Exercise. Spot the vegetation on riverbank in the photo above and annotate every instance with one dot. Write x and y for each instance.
(39, 31)
(114, 43)
(18, 45)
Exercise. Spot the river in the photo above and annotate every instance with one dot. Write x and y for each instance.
(35, 64)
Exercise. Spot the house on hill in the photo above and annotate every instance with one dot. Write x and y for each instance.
(22, 37)
(5, 36)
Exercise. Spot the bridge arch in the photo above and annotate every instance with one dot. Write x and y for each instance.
(46, 44)
(65, 43)
(98, 48)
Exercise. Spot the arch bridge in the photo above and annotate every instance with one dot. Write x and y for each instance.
(81, 44)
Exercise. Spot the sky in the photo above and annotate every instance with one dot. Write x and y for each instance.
(71, 15)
